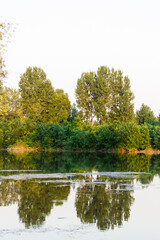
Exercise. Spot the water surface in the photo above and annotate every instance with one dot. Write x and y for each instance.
(79, 196)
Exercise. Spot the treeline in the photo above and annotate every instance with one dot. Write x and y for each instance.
(68, 137)
(102, 97)
(42, 117)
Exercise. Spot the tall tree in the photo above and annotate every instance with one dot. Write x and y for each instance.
(85, 96)
(121, 106)
(102, 94)
(39, 100)
(145, 115)
(60, 107)
(107, 96)
(36, 94)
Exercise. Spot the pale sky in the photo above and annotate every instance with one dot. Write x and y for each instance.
(68, 37)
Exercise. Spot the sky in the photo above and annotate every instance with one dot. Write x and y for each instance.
(68, 37)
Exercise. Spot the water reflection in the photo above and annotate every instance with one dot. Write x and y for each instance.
(35, 199)
(77, 162)
(103, 199)
(106, 205)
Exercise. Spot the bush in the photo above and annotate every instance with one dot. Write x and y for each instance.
(145, 141)
(129, 136)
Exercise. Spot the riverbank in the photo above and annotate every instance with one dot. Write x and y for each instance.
(21, 148)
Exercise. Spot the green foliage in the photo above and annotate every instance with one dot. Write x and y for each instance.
(36, 94)
(48, 135)
(60, 107)
(145, 141)
(121, 108)
(107, 137)
(105, 96)
(77, 140)
(129, 136)
(113, 136)
(133, 136)
(10, 105)
(77, 123)
(145, 115)
(156, 137)
(102, 94)
(39, 100)
(85, 96)
(154, 132)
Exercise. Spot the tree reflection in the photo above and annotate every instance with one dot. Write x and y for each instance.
(106, 205)
(37, 199)
(9, 192)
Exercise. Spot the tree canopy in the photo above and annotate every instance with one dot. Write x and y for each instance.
(40, 101)
(145, 115)
(85, 96)
(105, 95)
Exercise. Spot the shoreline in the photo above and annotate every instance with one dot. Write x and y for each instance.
(17, 149)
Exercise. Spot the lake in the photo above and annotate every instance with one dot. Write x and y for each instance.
(79, 196)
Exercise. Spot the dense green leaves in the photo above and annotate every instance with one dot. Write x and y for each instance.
(105, 96)
(145, 115)
(10, 104)
(125, 136)
(42, 117)
(133, 136)
(39, 100)
(36, 94)
(85, 96)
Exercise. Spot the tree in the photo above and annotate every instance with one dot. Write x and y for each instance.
(102, 94)
(36, 94)
(10, 105)
(60, 107)
(121, 108)
(85, 96)
(145, 115)
(39, 100)
(106, 95)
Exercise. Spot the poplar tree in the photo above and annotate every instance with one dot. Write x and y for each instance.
(85, 96)
(102, 94)
(106, 95)
(121, 106)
